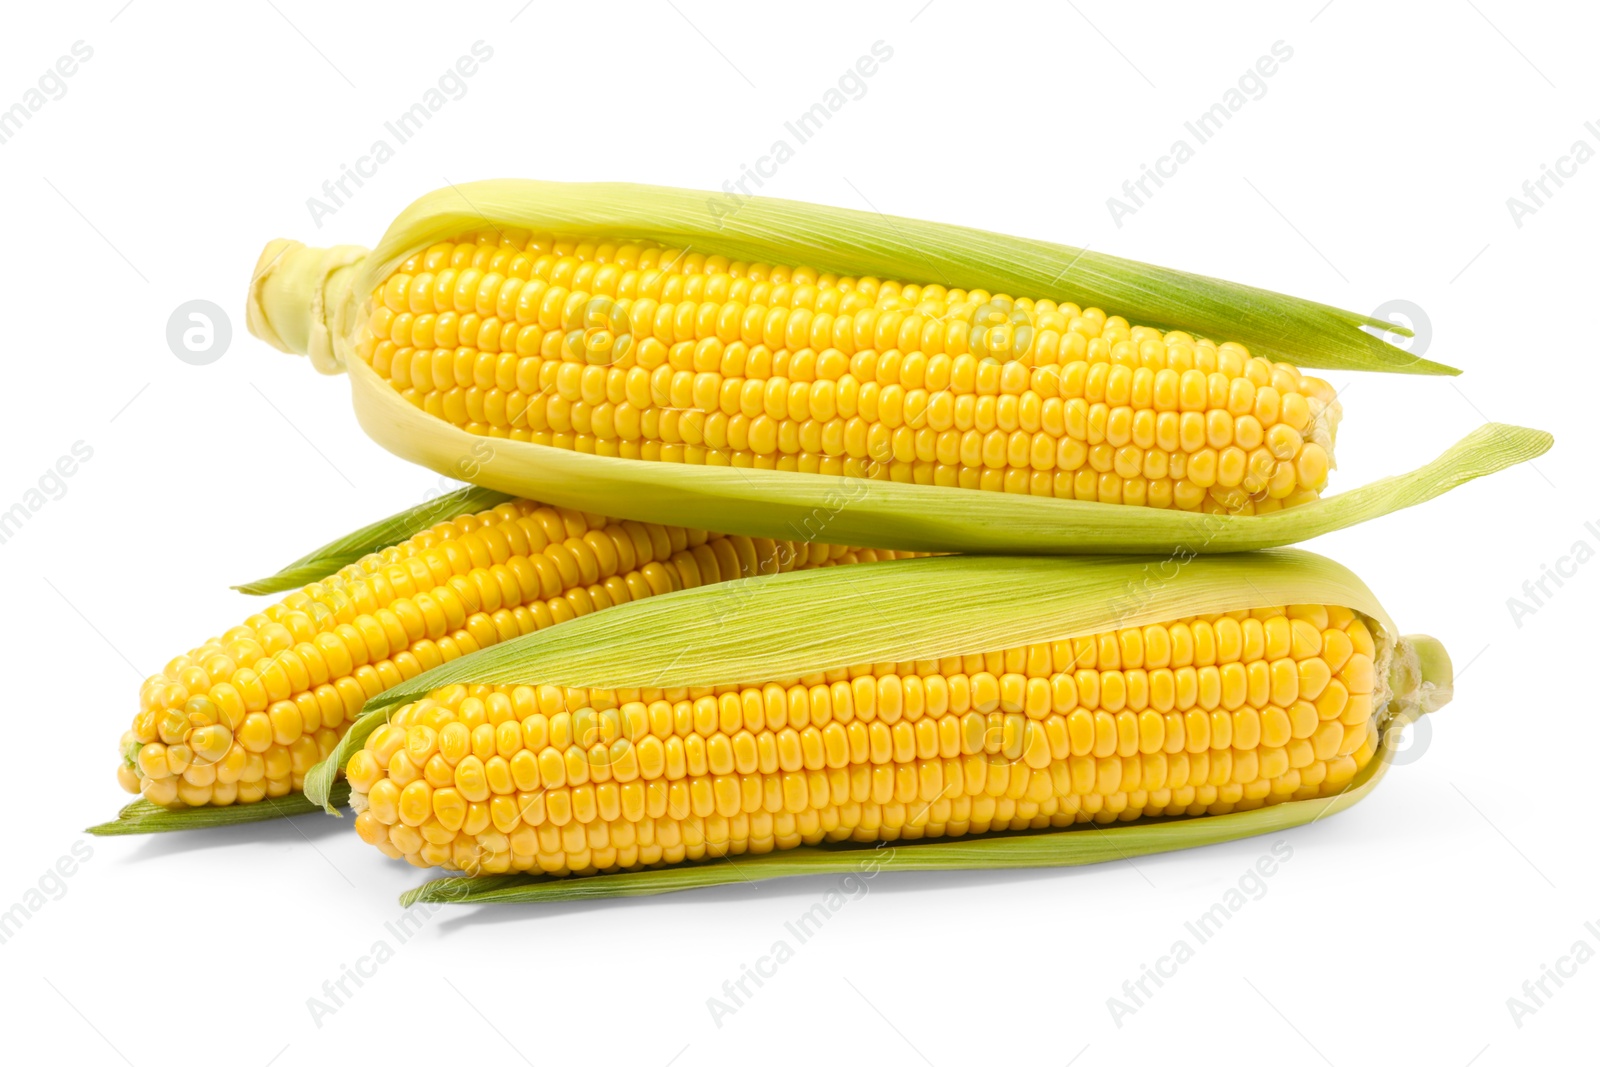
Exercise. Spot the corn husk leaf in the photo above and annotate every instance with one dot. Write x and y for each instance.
(321, 562)
(868, 243)
(322, 781)
(757, 629)
(883, 514)
(143, 817)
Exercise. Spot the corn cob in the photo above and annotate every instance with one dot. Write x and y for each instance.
(1227, 710)
(619, 344)
(629, 349)
(1206, 715)
(246, 715)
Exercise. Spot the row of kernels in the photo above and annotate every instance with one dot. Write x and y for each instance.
(658, 375)
(1082, 484)
(159, 761)
(625, 431)
(571, 264)
(1264, 417)
(900, 456)
(564, 295)
(482, 843)
(553, 256)
(781, 385)
(975, 439)
(536, 355)
(175, 792)
(170, 774)
(1085, 485)
(994, 432)
(446, 810)
(889, 348)
(490, 760)
(626, 270)
(703, 736)
(1018, 680)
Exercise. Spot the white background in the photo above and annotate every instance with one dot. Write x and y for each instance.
(1377, 166)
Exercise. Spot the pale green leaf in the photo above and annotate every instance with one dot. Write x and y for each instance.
(143, 817)
(331, 557)
(849, 242)
(756, 629)
(789, 505)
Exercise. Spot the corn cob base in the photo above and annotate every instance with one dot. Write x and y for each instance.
(246, 715)
(1208, 715)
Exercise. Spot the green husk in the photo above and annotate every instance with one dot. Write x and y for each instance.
(143, 817)
(843, 241)
(756, 629)
(314, 300)
(885, 514)
(321, 562)
(323, 779)
(919, 609)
